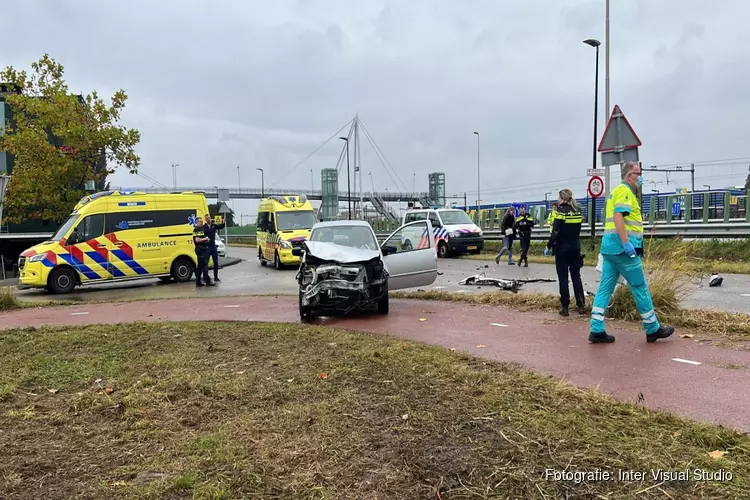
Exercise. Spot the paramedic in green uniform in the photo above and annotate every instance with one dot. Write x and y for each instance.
(622, 249)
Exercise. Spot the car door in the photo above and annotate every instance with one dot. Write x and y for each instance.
(87, 249)
(411, 265)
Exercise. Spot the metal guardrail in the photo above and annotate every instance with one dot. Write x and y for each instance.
(663, 230)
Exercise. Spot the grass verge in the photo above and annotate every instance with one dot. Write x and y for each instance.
(8, 301)
(704, 256)
(273, 411)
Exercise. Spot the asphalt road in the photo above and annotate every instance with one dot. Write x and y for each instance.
(249, 277)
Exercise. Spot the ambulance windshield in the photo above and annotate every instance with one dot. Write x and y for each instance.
(60, 234)
(295, 220)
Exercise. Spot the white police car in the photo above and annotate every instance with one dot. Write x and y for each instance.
(454, 231)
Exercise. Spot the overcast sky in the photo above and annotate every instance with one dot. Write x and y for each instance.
(213, 85)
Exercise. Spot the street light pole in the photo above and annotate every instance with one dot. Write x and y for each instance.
(595, 44)
(479, 199)
(239, 185)
(348, 183)
(607, 109)
(262, 183)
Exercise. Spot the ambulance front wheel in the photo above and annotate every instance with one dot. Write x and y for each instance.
(182, 270)
(62, 280)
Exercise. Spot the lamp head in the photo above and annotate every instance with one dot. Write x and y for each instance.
(592, 42)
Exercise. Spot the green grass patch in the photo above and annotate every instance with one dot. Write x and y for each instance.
(244, 410)
(705, 256)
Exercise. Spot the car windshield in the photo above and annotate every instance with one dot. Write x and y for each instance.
(293, 221)
(65, 228)
(455, 217)
(348, 236)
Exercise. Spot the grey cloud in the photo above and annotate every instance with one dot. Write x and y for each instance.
(261, 84)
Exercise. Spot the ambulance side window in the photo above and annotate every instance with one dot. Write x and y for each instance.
(262, 221)
(271, 226)
(89, 228)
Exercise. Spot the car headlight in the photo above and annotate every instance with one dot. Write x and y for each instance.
(285, 244)
(480, 233)
(454, 234)
(38, 257)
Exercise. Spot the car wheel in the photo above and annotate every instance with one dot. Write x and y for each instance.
(442, 250)
(182, 270)
(62, 280)
(383, 305)
(277, 261)
(305, 312)
(260, 258)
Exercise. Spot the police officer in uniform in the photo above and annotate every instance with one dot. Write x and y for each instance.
(210, 229)
(202, 252)
(524, 223)
(566, 242)
(622, 249)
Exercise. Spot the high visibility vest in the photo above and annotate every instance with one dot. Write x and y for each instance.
(551, 219)
(625, 201)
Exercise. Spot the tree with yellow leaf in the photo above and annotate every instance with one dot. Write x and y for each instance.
(59, 141)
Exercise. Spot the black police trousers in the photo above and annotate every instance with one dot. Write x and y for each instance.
(525, 244)
(568, 260)
(203, 254)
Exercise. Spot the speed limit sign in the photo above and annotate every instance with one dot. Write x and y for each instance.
(596, 186)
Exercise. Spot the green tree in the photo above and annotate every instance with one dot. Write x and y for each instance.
(747, 179)
(59, 141)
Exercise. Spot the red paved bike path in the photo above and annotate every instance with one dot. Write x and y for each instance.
(542, 341)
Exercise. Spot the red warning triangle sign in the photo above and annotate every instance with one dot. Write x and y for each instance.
(628, 138)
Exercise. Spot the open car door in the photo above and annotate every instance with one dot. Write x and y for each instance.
(410, 256)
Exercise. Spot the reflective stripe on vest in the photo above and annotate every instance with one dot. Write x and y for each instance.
(633, 220)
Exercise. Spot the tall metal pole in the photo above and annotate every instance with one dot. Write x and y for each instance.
(607, 107)
(239, 186)
(479, 199)
(593, 161)
(262, 184)
(358, 162)
(348, 182)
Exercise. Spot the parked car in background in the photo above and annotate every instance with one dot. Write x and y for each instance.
(220, 246)
(343, 269)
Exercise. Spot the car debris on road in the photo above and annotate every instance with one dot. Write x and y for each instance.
(512, 285)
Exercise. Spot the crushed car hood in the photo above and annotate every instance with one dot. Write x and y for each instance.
(338, 253)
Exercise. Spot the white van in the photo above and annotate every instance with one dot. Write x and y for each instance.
(454, 231)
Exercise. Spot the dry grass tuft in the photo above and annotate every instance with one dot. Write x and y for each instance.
(216, 410)
(8, 301)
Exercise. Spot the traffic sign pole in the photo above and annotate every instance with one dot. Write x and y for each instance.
(595, 188)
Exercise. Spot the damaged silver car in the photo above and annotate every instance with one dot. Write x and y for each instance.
(343, 268)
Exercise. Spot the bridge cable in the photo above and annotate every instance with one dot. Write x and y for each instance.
(379, 152)
(284, 176)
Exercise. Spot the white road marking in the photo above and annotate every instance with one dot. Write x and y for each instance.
(498, 324)
(78, 314)
(746, 294)
(233, 305)
(680, 360)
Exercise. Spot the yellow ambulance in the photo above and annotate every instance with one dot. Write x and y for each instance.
(284, 222)
(116, 236)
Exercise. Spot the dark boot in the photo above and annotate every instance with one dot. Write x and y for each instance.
(600, 338)
(581, 310)
(526, 262)
(564, 311)
(662, 333)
